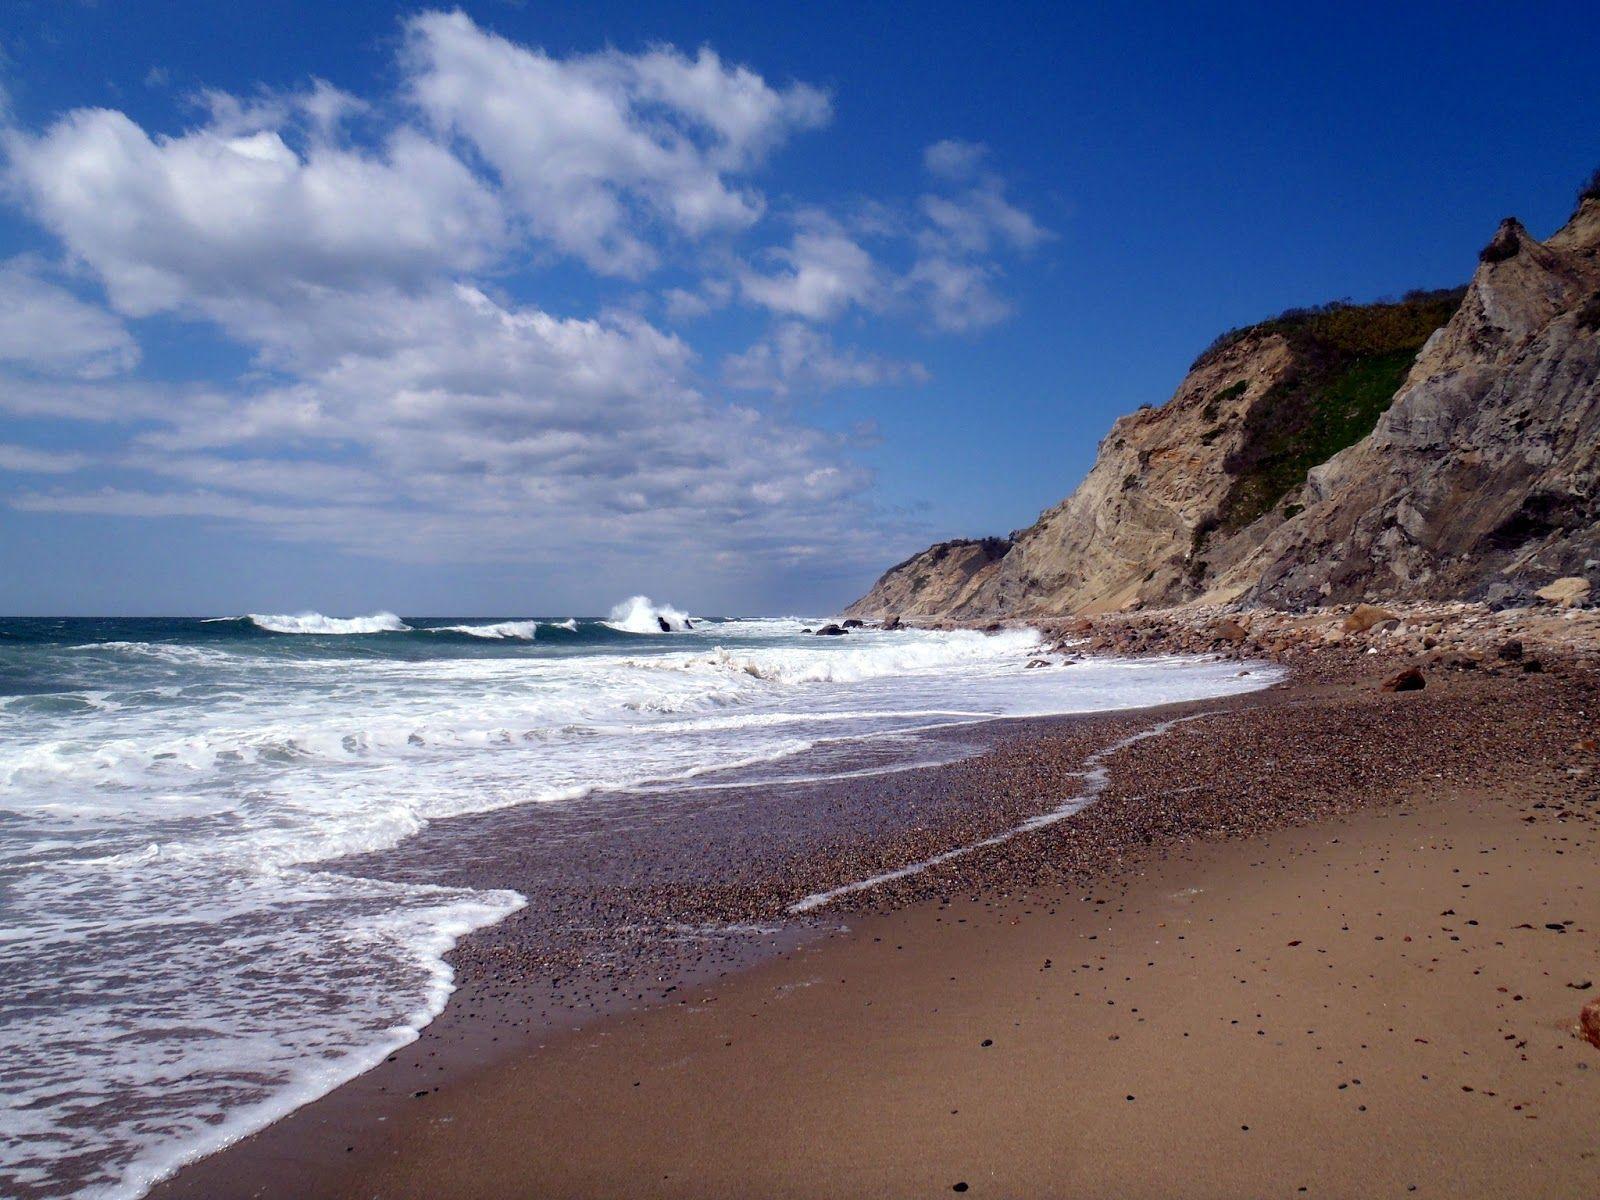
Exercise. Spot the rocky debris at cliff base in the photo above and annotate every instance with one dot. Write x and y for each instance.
(1364, 617)
(1434, 636)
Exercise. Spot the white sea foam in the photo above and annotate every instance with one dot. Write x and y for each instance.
(523, 630)
(570, 625)
(316, 623)
(638, 615)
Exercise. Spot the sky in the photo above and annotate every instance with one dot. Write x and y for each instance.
(519, 309)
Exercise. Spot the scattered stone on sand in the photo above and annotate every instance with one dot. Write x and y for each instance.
(1589, 1023)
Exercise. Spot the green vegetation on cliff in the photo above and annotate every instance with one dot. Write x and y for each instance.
(1350, 359)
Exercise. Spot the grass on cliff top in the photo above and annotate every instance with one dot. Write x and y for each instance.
(1350, 359)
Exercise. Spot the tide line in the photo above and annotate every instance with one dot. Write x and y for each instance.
(1096, 775)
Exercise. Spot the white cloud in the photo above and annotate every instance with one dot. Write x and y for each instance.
(448, 426)
(953, 158)
(28, 460)
(977, 219)
(959, 294)
(45, 328)
(963, 227)
(684, 305)
(796, 357)
(398, 404)
(822, 272)
(591, 149)
(233, 209)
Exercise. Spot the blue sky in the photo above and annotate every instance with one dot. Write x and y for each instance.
(519, 309)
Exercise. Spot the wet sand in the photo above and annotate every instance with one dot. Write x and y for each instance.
(1324, 938)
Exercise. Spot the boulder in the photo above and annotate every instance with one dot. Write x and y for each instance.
(1500, 596)
(1567, 592)
(1230, 630)
(855, 623)
(1408, 680)
(892, 623)
(1365, 617)
(1510, 651)
(830, 631)
(1038, 662)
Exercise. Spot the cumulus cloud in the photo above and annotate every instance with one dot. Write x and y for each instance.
(822, 272)
(45, 328)
(398, 403)
(591, 148)
(949, 249)
(234, 210)
(796, 357)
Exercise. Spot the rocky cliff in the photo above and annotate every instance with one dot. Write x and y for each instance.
(1434, 447)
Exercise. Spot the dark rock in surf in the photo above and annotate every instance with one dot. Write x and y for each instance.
(830, 631)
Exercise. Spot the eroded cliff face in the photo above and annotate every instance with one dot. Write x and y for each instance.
(1481, 469)
(1484, 474)
(937, 582)
(1129, 532)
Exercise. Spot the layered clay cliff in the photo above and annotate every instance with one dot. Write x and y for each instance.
(1442, 446)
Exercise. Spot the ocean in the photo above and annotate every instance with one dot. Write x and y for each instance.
(182, 961)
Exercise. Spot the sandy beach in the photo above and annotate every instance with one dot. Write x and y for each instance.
(1321, 940)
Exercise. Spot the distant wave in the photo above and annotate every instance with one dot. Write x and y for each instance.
(639, 615)
(570, 625)
(316, 623)
(501, 629)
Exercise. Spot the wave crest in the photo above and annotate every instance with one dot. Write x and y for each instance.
(316, 623)
(524, 630)
(638, 614)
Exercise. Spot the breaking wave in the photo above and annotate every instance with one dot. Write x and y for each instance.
(525, 630)
(639, 615)
(316, 623)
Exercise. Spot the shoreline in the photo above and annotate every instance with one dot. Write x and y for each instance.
(313, 1142)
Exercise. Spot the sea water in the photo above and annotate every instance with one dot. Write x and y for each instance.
(180, 964)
